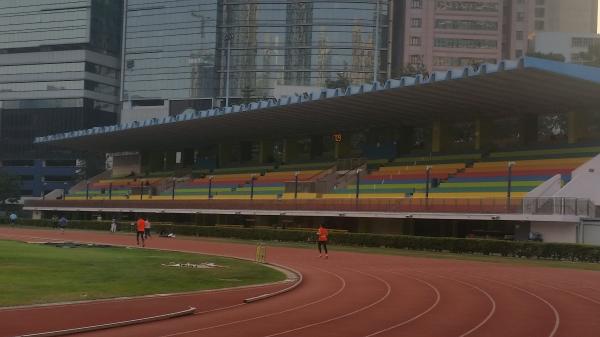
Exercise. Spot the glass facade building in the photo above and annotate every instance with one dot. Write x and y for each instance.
(59, 71)
(33, 23)
(302, 43)
(170, 49)
(177, 50)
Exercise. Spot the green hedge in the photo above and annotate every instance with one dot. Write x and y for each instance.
(521, 249)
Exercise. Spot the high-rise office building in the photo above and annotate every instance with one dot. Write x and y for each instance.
(170, 57)
(176, 52)
(59, 71)
(568, 16)
(303, 43)
(517, 28)
(440, 34)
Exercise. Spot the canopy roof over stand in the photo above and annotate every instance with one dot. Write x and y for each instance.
(509, 88)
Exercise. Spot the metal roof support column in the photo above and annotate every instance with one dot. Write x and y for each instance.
(528, 127)
(291, 150)
(576, 122)
(265, 151)
(404, 140)
(439, 135)
(224, 154)
(342, 145)
(483, 133)
(155, 161)
(284, 151)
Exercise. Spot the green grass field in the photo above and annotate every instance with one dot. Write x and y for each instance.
(35, 274)
(420, 254)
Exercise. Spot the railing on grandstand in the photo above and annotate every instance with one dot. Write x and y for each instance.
(538, 206)
(561, 206)
(350, 163)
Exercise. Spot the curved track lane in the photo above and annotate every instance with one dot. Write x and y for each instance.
(353, 295)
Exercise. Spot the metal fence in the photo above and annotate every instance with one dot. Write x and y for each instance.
(561, 206)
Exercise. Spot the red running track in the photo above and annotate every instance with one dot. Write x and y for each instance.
(349, 295)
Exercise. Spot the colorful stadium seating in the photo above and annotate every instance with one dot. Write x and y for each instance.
(490, 179)
(269, 185)
(452, 176)
(396, 181)
(562, 152)
(117, 188)
(439, 159)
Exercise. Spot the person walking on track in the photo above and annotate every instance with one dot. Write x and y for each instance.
(322, 237)
(147, 227)
(141, 227)
(13, 219)
(62, 223)
(113, 226)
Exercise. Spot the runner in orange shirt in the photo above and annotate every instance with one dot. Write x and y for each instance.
(141, 226)
(322, 234)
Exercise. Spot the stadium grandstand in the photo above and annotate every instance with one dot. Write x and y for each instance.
(502, 151)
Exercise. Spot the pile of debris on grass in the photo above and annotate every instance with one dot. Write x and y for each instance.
(204, 265)
(69, 244)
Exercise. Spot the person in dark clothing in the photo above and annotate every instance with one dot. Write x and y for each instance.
(62, 223)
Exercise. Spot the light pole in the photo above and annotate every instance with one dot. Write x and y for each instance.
(110, 191)
(65, 190)
(296, 185)
(44, 185)
(427, 180)
(253, 177)
(210, 179)
(509, 184)
(87, 190)
(357, 184)
(228, 38)
(173, 189)
(142, 190)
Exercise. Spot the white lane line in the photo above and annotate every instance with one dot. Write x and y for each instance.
(556, 314)
(388, 292)
(570, 292)
(435, 303)
(490, 298)
(342, 287)
(471, 285)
